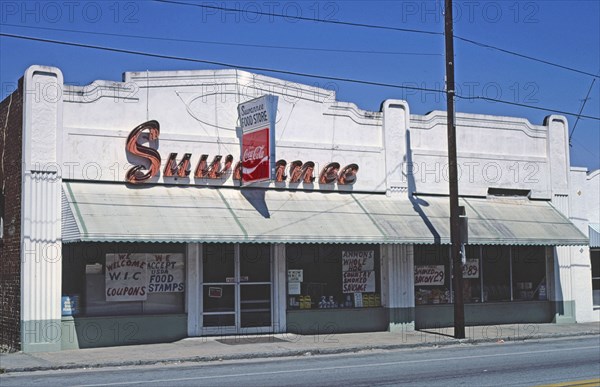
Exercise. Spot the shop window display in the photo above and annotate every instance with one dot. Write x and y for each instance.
(102, 279)
(490, 274)
(333, 276)
(595, 260)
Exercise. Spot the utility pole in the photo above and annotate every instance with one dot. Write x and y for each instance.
(457, 283)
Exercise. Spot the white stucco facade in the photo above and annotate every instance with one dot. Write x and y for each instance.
(76, 133)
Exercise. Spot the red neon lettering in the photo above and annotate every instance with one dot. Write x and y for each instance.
(140, 173)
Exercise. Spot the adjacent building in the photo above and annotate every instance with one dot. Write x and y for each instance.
(125, 219)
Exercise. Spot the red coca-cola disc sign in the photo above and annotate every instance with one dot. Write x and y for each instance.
(256, 164)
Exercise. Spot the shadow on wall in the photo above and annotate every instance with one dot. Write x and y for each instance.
(417, 203)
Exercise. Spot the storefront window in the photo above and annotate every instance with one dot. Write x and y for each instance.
(490, 274)
(432, 274)
(333, 276)
(123, 279)
(595, 260)
(496, 273)
(529, 273)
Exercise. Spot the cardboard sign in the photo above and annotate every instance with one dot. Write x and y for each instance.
(429, 275)
(471, 268)
(358, 281)
(126, 278)
(358, 260)
(166, 273)
(257, 120)
(358, 274)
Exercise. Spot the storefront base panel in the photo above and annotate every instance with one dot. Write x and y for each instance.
(41, 336)
(401, 319)
(564, 312)
(440, 316)
(333, 321)
(90, 332)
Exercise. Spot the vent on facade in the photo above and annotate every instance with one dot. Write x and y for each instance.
(508, 192)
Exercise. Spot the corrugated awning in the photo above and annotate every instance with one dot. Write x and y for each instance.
(594, 231)
(118, 212)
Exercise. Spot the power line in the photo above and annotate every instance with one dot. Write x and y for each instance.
(375, 26)
(222, 43)
(581, 110)
(362, 25)
(223, 64)
(526, 106)
(295, 73)
(526, 56)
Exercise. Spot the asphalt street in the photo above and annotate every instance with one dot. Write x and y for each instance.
(507, 364)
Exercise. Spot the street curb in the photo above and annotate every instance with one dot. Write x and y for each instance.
(296, 353)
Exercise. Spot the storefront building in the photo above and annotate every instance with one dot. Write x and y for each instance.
(585, 204)
(125, 220)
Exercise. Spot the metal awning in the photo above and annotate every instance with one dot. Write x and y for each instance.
(594, 232)
(117, 212)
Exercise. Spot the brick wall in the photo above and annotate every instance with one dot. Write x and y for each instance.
(11, 135)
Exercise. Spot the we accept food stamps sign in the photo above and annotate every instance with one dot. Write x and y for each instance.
(130, 277)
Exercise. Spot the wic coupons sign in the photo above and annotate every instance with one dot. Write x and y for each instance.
(257, 120)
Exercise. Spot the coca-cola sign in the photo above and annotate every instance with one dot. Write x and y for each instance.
(257, 120)
(255, 156)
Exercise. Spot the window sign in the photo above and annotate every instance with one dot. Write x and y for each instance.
(358, 274)
(126, 277)
(295, 275)
(471, 268)
(130, 277)
(166, 273)
(429, 275)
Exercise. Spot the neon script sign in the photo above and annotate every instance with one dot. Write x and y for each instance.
(221, 168)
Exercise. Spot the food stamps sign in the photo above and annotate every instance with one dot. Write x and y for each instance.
(130, 277)
(358, 271)
(257, 120)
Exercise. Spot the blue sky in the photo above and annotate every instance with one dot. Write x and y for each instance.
(562, 32)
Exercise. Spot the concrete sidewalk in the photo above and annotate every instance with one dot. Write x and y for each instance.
(201, 349)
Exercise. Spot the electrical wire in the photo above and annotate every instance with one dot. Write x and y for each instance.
(525, 56)
(295, 73)
(217, 63)
(389, 28)
(581, 109)
(222, 43)
(345, 23)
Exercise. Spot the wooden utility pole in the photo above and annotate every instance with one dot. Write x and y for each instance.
(457, 283)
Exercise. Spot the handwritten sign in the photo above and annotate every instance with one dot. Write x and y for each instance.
(471, 268)
(429, 275)
(166, 273)
(358, 274)
(358, 260)
(130, 277)
(126, 278)
(358, 281)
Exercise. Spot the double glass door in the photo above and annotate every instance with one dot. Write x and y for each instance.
(236, 289)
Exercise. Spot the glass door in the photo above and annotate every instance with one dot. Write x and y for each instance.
(237, 289)
(255, 288)
(219, 290)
